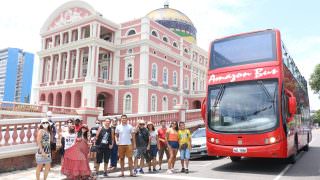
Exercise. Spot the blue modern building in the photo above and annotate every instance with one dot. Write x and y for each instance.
(16, 69)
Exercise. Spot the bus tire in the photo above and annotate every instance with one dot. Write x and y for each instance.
(235, 158)
(293, 158)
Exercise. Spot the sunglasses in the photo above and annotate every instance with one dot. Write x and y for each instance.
(141, 124)
(45, 123)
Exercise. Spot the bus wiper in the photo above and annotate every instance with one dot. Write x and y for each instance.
(219, 96)
(261, 110)
(263, 87)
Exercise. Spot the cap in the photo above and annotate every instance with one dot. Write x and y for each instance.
(43, 120)
(150, 123)
(49, 114)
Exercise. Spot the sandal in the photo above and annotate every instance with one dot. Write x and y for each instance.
(133, 175)
(121, 175)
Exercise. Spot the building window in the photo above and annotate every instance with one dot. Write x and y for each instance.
(165, 39)
(186, 82)
(165, 76)
(174, 44)
(164, 103)
(130, 51)
(131, 32)
(186, 50)
(154, 33)
(153, 103)
(128, 104)
(129, 71)
(154, 72)
(193, 85)
(175, 83)
(174, 102)
(186, 104)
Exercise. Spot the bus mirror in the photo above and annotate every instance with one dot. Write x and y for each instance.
(292, 105)
(203, 109)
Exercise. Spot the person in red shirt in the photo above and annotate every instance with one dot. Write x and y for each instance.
(162, 140)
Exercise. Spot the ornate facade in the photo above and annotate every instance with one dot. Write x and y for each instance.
(134, 67)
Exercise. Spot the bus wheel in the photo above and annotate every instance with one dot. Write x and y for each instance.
(235, 158)
(293, 158)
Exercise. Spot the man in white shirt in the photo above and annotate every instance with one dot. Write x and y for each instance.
(126, 144)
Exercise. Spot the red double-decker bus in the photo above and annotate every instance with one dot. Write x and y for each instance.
(257, 101)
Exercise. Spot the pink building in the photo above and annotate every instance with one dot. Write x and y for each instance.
(145, 65)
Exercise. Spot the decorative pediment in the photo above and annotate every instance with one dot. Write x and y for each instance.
(68, 16)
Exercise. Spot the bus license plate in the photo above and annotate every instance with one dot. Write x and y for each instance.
(240, 150)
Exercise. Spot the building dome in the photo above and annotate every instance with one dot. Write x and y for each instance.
(176, 21)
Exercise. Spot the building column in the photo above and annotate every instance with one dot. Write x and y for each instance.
(110, 66)
(116, 101)
(143, 79)
(61, 38)
(50, 69)
(116, 68)
(89, 63)
(59, 67)
(68, 65)
(53, 41)
(181, 82)
(79, 33)
(76, 74)
(99, 31)
(96, 63)
(41, 75)
(69, 36)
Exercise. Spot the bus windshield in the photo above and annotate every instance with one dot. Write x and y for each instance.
(243, 107)
(243, 49)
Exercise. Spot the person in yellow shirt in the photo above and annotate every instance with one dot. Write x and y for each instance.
(184, 146)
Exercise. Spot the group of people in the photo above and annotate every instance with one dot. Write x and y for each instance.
(107, 142)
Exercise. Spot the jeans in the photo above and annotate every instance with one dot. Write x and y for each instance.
(114, 155)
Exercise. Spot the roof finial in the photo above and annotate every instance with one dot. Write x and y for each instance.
(166, 4)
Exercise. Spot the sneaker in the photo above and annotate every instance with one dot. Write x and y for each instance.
(159, 168)
(141, 171)
(187, 171)
(169, 171)
(183, 170)
(149, 170)
(154, 170)
(105, 174)
(135, 171)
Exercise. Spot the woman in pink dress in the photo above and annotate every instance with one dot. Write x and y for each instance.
(75, 164)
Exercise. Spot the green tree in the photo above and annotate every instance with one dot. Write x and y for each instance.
(316, 117)
(314, 80)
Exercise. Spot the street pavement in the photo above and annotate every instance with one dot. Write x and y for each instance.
(307, 167)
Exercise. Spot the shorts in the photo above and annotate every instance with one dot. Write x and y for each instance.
(140, 152)
(125, 151)
(174, 144)
(103, 154)
(185, 154)
(162, 150)
(153, 151)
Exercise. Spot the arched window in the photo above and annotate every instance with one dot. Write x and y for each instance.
(131, 32)
(128, 104)
(186, 50)
(165, 76)
(164, 103)
(174, 102)
(130, 51)
(153, 103)
(174, 44)
(154, 33)
(129, 71)
(174, 78)
(165, 39)
(154, 72)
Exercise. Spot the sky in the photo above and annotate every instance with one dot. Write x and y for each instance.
(298, 21)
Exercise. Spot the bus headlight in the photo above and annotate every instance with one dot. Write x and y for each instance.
(212, 140)
(217, 141)
(272, 140)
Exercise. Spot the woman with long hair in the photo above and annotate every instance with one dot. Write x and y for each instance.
(75, 164)
(173, 144)
(43, 155)
(154, 146)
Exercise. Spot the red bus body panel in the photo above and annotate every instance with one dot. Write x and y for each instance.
(255, 143)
